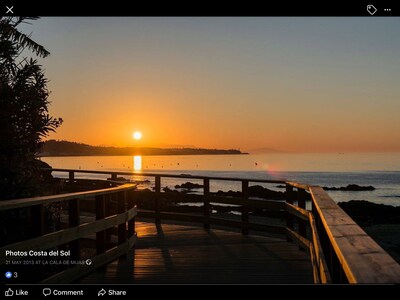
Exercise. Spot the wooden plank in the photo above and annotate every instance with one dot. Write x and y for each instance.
(321, 198)
(289, 216)
(214, 221)
(314, 265)
(121, 207)
(64, 236)
(100, 215)
(71, 177)
(360, 257)
(268, 228)
(319, 254)
(73, 216)
(296, 211)
(110, 208)
(301, 202)
(157, 199)
(337, 217)
(26, 202)
(298, 185)
(245, 210)
(169, 175)
(302, 241)
(181, 254)
(131, 223)
(37, 219)
(206, 205)
(79, 271)
(252, 226)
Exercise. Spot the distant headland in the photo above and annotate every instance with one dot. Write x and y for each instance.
(65, 148)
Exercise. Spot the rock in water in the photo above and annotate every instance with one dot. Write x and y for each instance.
(189, 186)
(350, 187)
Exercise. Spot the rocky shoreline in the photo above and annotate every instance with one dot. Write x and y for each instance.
(366, 213)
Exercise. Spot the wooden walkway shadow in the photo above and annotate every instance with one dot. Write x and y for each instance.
(181, 254)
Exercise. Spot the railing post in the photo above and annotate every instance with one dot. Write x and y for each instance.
(131, 204)
(71, 177)
(157, 199)
(301, 202)
(109, 200)
(37, 220)
(121, 208)
(206, 183)
(289, 217)
(245, 210)
(73, 213)
(100, 214)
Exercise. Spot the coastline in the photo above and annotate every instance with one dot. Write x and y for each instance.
(53, 148)
(135, 154)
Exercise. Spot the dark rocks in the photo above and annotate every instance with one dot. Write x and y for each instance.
(119, 179)
(368, 213)
(142, 181)
(261, 192)
(256, 191)
(189, 186)
(350, 187)
(168, 190)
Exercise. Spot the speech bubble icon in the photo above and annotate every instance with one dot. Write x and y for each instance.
(46, 292)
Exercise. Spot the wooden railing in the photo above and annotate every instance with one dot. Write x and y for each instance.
(125, 215)
(340, 251)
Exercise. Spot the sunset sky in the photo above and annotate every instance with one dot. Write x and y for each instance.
(292, 84)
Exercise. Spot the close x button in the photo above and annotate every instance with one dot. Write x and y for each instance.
(9, 10)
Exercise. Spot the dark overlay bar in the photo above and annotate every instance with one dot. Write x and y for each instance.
(363, 8)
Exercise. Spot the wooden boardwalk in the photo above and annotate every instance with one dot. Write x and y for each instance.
(181, 254)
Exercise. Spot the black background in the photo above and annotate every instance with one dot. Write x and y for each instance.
(200, 8)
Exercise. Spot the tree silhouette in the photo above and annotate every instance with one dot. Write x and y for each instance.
(24, 117)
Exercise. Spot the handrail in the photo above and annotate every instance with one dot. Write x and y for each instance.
(187, 176)
(360, 258)
(26, 202)
(351, 255)
(340, 251)
(124, 217)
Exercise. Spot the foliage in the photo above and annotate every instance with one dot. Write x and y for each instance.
(24, 116)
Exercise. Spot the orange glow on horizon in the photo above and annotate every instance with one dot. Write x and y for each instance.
(225, 83)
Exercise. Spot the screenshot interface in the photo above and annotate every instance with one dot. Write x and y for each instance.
(209, 147)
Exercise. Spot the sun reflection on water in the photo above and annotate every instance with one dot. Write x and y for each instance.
(137, 163)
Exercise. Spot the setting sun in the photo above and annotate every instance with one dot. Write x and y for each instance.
(137, 135)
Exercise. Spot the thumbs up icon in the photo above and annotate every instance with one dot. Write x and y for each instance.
(9, 292)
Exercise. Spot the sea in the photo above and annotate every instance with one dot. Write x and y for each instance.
(381, 170)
